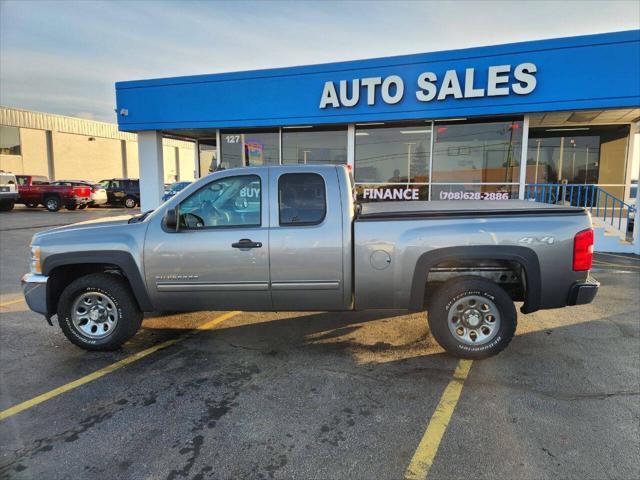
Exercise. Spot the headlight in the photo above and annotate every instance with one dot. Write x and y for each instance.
(36, 267)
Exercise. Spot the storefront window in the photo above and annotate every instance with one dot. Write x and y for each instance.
(9, 140)
(578, 155)
(486, 152)
(249, 148)
(315, 145)
(393, 153)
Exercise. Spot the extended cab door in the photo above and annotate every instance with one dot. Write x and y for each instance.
(306, 239)
(219, 257)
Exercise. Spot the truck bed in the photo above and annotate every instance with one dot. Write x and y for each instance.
(460, 208)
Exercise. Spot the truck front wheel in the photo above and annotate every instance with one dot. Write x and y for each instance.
(98, 312)
(471, 317)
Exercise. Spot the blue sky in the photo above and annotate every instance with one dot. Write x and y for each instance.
(64, 57)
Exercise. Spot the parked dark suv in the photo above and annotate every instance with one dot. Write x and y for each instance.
(122, 191)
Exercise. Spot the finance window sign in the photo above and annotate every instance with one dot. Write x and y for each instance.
(499, 80)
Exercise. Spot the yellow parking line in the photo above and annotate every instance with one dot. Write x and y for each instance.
(12, 302)
(428, 447)
(111, 368)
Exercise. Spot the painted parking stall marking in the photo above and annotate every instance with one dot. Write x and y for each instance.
(427, 449)
(113, 367)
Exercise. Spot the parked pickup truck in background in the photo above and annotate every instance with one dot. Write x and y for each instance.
(97, 197)
(291, 238)
(34, 190)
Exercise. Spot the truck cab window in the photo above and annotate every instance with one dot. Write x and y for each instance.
(228, 202)
(301, 199)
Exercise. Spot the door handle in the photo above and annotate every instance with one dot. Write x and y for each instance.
(246, 243)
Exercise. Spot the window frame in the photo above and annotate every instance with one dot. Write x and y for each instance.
(218, 227)
(302, 224)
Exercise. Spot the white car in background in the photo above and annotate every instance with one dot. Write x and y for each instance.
(98, 192)
(8, 191)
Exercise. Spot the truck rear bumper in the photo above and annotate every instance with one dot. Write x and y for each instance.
(583, 292)
(34, 287)
(77, 201)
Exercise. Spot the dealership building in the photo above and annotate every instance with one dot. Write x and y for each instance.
(552, 120)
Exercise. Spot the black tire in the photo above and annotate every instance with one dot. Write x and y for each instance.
(7, 205)
(83, 206)
(116, 289)
(52, 203)
(130, 202)
(71, 206)
(456, 291)
(31, 205)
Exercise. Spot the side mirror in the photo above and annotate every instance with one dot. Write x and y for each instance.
(171, 219)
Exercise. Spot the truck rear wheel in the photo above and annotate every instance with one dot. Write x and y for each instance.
(471, 317)
(53, 203)
(130, 202)
(98, 312)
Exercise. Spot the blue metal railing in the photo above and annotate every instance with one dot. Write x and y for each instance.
(601, 203)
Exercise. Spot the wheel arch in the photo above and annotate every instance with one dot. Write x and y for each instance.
(63, 268)
(523, 256)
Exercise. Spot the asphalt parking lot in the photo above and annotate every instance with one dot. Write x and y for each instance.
(318, 395)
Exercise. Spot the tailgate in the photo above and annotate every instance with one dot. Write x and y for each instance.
(82, 192)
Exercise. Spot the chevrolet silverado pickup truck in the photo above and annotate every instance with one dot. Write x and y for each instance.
(293, 238)
(34, 190)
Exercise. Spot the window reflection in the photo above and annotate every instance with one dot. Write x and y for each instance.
(248, 148)
(310, 146)
(9, 140)
(579, 155)
(477, 152)
(398, 153)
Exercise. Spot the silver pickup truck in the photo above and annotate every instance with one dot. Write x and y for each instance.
(292, 238)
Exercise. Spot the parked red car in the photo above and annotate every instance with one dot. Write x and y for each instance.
(34, 190)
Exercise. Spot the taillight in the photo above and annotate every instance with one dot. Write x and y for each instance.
(583, 250)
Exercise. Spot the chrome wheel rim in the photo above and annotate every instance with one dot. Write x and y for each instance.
(474, 320)
(94, 314)
(130, 203)
(52, 203)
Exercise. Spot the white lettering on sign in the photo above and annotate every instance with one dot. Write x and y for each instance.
(252, 192)
(501, 80)
(390, 194)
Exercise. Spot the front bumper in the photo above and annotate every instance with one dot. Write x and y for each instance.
(583, 292)
(34, 287)
(9, 196)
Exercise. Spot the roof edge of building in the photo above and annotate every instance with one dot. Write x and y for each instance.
(23, 118)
